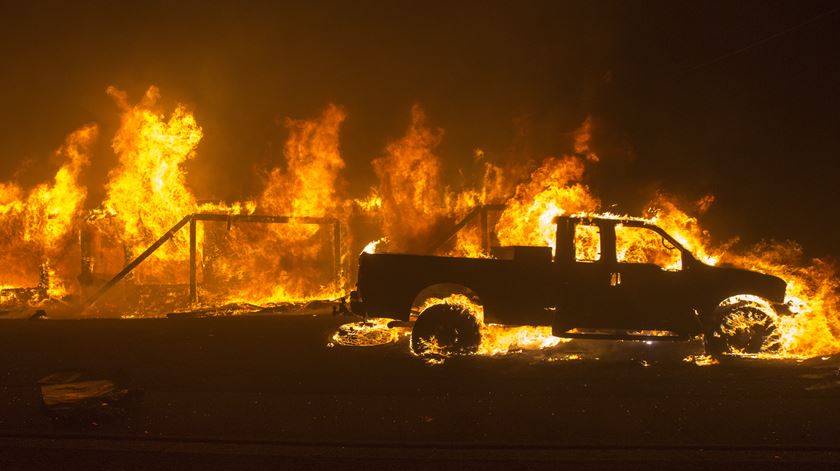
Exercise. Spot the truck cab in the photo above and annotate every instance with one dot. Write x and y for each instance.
(626, 274)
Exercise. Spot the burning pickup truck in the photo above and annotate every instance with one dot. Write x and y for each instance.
(608, 278)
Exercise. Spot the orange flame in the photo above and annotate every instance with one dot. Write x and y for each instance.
(499, 339)
(147, 192)
(554, 189)
(36, 228)
(313, 161)
(410, 186)
(285, 260)
(813, 290)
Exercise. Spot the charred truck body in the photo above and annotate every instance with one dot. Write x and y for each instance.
(609, 279)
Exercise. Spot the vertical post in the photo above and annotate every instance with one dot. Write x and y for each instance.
(86, 273)
(193, 293)
(44, 276)
(564, 247)
(485, 232)
(337, 253)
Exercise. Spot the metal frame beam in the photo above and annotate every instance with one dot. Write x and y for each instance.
(192, 219)
(479, 211)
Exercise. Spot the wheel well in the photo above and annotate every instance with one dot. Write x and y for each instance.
(714, 317)
(442, 291)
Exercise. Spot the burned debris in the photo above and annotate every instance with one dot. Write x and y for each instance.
(75, 399)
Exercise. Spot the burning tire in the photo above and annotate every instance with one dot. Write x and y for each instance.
(743, 328)
(368, 333)
(445, 329)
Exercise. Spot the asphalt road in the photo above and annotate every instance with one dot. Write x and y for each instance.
(254, 391)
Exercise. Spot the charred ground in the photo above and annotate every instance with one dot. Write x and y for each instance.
(274, 390)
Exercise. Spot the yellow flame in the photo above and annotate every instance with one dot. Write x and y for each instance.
(37, 228)
(373, 245)
(289, 262)
(499, 339)
(409, 185)
(372, 202)
(148, 191)
(554, 189)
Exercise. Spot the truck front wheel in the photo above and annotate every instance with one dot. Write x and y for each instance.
(743, 328)
(445, 329)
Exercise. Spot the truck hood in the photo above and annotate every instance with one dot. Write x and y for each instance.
(740, 281)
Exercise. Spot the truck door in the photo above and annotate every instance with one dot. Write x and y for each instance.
(584, 277)
(647, 283)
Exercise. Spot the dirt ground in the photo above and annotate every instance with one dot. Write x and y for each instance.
(266, 391)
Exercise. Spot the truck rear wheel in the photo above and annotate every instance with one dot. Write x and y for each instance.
(445, 329)
(742, 328)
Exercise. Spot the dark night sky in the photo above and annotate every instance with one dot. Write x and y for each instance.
(759, 129)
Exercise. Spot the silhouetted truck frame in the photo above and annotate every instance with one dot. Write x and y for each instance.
(603, 294)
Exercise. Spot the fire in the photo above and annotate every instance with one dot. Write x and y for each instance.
(367, 333)
(554, 189)
(635, 245)
(307, 186)
(409, 185)
(663, 212)
(37, 227)
(285, 262)
(498, 339)
(373, 202)
(412, 200)
(148, 192)
(701, 360)
(813, 286)
(294, 261)
(373, 246)
(813, 294)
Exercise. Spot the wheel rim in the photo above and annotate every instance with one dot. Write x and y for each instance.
(445, 333)
(748, 330)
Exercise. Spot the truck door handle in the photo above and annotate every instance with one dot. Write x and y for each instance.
(615, 278)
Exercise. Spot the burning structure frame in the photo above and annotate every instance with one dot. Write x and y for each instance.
(193, 219)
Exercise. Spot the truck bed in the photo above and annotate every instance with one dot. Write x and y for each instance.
(389, 284)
